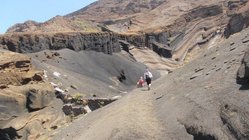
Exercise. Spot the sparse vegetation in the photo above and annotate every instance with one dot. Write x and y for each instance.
(86, 26)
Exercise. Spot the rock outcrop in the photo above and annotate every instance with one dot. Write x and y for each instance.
(24, 95)
(28, 43)
(243, 72)
(199, 101)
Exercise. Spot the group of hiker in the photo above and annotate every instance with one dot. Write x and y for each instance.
(147, 77)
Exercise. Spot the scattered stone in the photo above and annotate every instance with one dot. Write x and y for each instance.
(37, 77)
(245, 40)
(66, 90)
(60, 93)
(67, 109)
(199, 69)
(3, 86)
(57, 74)
(208, 73)
(233, 48)
(68, 99)
(170, 71)
(56, 54)
(73, 87)
(159, 97)
(193, 77)
(54, 127)
(78, 110)
(218, 69)
(49, 57)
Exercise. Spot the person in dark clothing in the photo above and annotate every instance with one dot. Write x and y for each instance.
(148, 77)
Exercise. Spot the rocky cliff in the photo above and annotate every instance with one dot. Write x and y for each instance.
(27, 43)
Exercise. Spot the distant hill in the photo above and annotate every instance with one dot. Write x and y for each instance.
(56, 24)
(117, 15)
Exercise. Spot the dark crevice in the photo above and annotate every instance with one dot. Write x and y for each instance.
(197, 134)
(122, 76)
(9, 134)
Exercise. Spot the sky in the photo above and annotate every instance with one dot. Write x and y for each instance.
(19, 11)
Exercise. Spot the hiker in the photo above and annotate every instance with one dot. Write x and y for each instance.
(148, 77)
(140, 82)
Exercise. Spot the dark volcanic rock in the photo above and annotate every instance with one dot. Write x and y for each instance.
(8, 134)
(243, 72)
(237, 23)
(27, 43)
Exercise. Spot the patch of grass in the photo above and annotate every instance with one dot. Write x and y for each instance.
(77, 97)
(86, 26)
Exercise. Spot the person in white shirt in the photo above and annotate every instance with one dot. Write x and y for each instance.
(148, 77)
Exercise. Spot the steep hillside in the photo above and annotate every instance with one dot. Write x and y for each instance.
(136, 15)
(91, 72)
(92, 57)
(177, 30)
(199, 101)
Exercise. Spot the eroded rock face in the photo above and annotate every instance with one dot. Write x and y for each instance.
(23, 90)
(27, 43)
(15, 69)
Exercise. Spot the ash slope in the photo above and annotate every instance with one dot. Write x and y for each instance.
(28, 104)
(200, 100)
(91, 73)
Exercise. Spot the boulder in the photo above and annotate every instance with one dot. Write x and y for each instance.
(243, 72)
(38, 99)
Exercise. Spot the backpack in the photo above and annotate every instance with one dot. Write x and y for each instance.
(147, 76)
